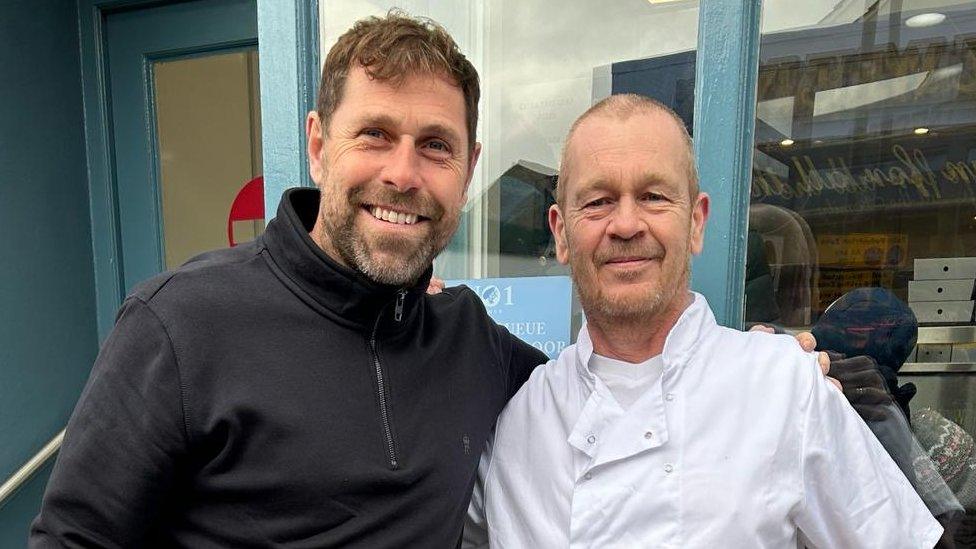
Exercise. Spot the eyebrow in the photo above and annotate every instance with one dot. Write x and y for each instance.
(436, 129)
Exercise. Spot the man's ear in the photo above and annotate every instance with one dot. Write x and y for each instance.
(699, 215)
(472, 164)
(314, 141)
(558, 227)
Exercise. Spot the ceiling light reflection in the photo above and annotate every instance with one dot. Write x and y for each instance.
(925, 19)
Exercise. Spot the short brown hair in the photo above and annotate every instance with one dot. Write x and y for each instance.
(391, 48)
(623, 106)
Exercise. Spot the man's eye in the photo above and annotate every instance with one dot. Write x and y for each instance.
(598, 202)
(373, 132)
(438, 146)
(652, 197)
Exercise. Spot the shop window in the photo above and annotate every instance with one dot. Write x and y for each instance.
(540, 69)
(862, 223)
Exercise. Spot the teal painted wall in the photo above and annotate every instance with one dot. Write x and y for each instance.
(16, 516)
(47, 327)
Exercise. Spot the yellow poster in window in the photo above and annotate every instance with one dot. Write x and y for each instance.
(859, 250)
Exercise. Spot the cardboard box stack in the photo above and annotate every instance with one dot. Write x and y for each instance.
(943, 290)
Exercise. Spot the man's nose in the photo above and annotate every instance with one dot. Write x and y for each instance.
(626, 222)
(403, 169)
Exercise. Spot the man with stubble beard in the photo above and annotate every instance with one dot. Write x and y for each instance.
(303, 390)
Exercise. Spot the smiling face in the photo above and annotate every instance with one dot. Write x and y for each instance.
(628, 223)
(393, 168)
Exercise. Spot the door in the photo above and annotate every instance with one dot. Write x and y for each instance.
(115, 81)
(185, 128)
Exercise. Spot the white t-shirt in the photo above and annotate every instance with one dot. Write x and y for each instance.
(627, 381)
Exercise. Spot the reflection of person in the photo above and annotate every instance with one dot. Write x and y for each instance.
(875, 323)
(760, 293)
(303, 390)
(876, 332)
(792, 260)
(952, 450)
(659, 427)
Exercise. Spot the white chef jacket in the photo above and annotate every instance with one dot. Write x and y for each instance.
(740, 443)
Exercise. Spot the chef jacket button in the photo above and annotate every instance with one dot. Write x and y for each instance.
(648, 435)
(668, 468)
(669, 397)
(591, 439)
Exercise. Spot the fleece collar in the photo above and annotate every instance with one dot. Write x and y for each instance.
(338, 291)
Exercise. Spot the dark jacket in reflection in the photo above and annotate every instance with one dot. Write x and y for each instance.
(870, 333)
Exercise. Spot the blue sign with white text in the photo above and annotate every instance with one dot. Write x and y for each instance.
(536, 309)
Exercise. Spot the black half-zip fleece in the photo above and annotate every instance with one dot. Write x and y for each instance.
(265, 396)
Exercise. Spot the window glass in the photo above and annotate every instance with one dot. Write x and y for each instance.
(540, 69)
(208, 127)
(862, 222)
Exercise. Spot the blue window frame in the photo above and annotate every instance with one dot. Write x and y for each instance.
(288, 31)
(725, 109)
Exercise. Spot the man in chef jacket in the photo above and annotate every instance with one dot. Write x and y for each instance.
(660, 428)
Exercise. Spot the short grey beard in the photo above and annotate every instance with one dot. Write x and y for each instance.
(356, 254)
(623, 311)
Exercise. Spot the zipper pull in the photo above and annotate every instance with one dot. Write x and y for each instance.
(398, 312)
